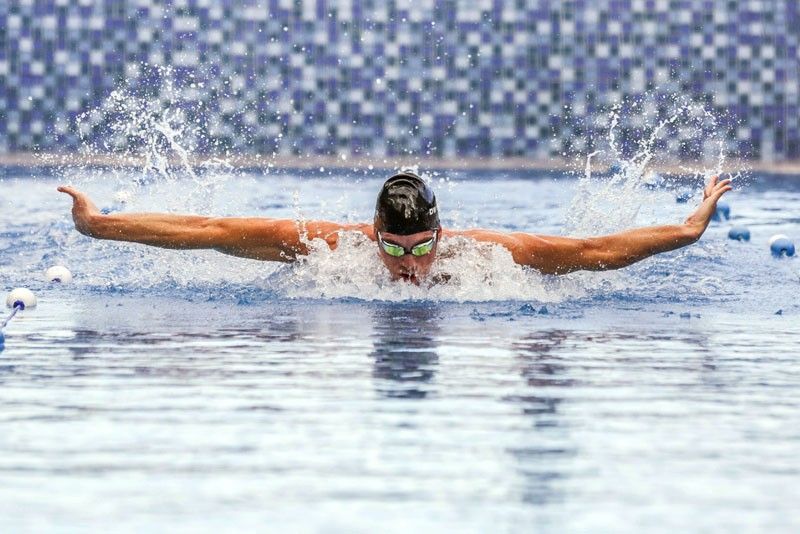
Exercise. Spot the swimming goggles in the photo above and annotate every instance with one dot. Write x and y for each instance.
(398, 251)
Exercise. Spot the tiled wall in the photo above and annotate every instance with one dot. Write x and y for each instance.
(528, 78)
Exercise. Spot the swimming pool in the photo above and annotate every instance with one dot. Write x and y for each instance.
(195, 391)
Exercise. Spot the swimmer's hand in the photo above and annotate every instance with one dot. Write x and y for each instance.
(699, 220)
(84, 212)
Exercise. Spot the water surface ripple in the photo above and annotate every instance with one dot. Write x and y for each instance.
(666, 398)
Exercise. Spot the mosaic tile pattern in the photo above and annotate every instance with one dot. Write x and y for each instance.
(531, 78)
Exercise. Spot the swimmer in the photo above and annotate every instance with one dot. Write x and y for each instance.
(406, 229)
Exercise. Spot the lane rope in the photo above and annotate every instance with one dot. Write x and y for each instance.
(18, 306)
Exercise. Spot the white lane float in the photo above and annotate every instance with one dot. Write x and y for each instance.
(21, 298)
(58, 274)
(18, 299)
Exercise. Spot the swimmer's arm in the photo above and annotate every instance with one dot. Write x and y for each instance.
(561, 255)
(256, 238)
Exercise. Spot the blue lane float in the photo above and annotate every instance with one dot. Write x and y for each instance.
(683, 197)
(653, 181)
(780, 245)
(739, 233)
(723, 211)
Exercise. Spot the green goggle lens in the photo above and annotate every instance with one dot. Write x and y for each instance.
(422, 248)
(397, 251)
(393, 250)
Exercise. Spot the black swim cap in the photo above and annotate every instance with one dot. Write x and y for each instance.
(406, 205)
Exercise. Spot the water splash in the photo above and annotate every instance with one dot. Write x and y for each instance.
(159, 140)
(604, 204)
(465, 270)
(149, 131)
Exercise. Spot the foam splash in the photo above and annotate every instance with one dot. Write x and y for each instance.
(465, 270)
(148, 133)
(604, 204)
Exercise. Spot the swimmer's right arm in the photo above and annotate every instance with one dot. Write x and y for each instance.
(247, 237)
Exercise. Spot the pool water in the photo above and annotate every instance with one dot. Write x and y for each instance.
(192, 391)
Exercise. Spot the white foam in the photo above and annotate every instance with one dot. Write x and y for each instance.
(616, 202)
(476, 272)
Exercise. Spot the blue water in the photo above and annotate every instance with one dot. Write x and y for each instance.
(192, 391)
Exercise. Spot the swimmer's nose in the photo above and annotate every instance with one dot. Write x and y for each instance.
(408, 262)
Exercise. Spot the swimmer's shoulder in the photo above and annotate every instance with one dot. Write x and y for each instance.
(521, 245)
(330, 231)
(468, 232)
(368, 229)
(481, 234)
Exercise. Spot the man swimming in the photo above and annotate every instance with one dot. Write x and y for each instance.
(406, 229)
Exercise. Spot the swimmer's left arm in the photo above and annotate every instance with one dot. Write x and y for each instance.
(561, 255)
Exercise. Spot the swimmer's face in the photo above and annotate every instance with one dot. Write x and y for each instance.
(408, 267)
